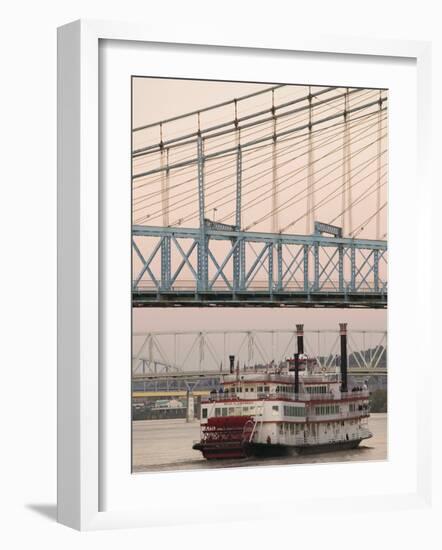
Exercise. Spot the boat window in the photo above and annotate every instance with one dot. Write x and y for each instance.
(275, 408)
(290, 410)
(316, 389)
(260, 389)
(204, 413)
(247, 389)
(251, 389)
(224, 411)
(327, 409)
(217, 411)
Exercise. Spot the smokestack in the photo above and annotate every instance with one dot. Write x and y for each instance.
(300, 335)
(296, 373)
(232, 363)
(343, 333)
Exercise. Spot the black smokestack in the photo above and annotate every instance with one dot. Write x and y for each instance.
(232, 363)
(300, 334)
(296, 373)
(343, 333)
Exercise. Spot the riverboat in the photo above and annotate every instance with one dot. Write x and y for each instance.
(288, 408)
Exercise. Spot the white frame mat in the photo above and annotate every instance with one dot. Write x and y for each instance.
(82, 447)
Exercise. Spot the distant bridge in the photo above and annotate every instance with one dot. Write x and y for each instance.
(184, 359)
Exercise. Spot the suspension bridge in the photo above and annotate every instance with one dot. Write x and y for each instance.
(275, 198)
(189, 359)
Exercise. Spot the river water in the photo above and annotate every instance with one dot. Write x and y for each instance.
(166, 445)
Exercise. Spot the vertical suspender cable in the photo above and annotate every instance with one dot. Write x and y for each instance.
(238, 171)
(167, 186)
(200, 165)
(343, 197)
(202, 245)
(346, 167)
(310, 172)
(379, 164)
(164, 161)
(275, 224)
(348, 170)
(164, 180)
(238, 222)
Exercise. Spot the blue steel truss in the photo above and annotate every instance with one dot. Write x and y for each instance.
(221, 265)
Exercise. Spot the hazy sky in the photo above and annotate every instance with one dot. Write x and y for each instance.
(157, 99)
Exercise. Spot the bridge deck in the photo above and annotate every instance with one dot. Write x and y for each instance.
(145, 297)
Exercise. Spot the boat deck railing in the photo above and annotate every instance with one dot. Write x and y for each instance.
(286, 396)
(332, 417)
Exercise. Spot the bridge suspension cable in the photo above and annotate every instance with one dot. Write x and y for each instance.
(255, 177)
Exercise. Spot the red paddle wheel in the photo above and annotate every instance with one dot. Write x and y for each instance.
(225, 437)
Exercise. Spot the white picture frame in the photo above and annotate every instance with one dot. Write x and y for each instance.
(80, 296)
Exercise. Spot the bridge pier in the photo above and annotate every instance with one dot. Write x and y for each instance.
(190, 413)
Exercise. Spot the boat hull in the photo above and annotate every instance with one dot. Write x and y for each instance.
(243, 450)
(263, 449)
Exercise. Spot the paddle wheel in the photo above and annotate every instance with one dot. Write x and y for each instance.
(226, 437)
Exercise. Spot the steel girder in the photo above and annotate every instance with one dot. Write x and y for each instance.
(226, 266)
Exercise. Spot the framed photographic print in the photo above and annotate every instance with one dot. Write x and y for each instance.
(231, 318)
(250, 216)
